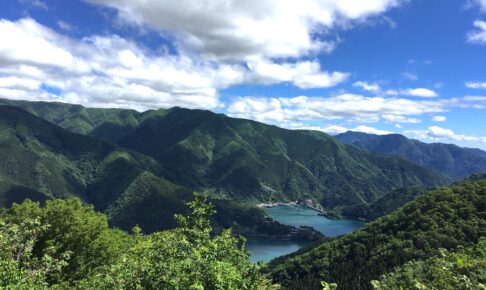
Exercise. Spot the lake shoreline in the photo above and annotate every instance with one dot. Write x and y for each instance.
(300, 203)
(297, 215)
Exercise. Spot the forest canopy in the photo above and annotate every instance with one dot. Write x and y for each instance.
(68, 245)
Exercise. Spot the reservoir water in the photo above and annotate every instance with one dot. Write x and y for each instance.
(265, 250)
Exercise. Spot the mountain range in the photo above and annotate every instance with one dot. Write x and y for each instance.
(230, 158)
(452, 160)
(140, 168)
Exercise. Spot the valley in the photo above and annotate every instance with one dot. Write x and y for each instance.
(242, 145)
(289, 192)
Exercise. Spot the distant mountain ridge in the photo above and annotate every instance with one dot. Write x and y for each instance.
(245, 160)
(455, 161)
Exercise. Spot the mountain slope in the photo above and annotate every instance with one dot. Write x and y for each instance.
(38, 155)
(245, 160)
(41, 161)
(450, 159)
(448, 218)
(253, 161)
(107, 124)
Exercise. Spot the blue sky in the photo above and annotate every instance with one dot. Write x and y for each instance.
(414, 67)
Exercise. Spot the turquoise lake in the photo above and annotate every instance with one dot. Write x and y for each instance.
(265, 250)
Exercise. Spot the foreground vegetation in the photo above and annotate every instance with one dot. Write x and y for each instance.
(406, 246)
(67, 245)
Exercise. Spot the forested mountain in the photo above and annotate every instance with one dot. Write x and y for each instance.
(109, 124)
(455, 161)
(449, 218)
(41, 161)
(246, 160)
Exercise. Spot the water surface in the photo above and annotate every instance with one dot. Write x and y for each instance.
(300, 216)
(266, 250)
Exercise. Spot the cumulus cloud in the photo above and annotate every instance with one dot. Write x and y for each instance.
(371, 130)
(350, 107)
(305, 74)
(218, 44)
(337, 129)
(366, 86)
(478, 36)
(353, 107)
(418, 92)
(414, 92)
(476, 85)
(251, 28)
(111, 71)
(437, 134)
(439, 118)
(106, 71)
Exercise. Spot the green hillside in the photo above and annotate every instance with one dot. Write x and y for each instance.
(448, 218)
(247, 160)
(48, 159)
(108, 124)
(449, 159)
(41, 161)
(244, 160)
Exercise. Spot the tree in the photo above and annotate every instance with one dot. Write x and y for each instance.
(68, 245)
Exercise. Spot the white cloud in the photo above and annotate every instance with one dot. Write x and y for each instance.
(19, 83)
(251, 28)
(353, 107)
(349, 107)
(305, 74)
(438, 134)
(399, 119)
(439, 118)
(336, 129)
(476, 85)
(419, 92)
(371, 130)
(110, 71)
(65, 26)
(369, 87)
(331, 129)
(414, 92)
(479, 35)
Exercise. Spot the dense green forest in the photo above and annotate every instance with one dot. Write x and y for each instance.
(451, 218)
(67, 245)
(41, 161)
(96, 174)
(455, 161)
(435, 242)
(239, 159)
